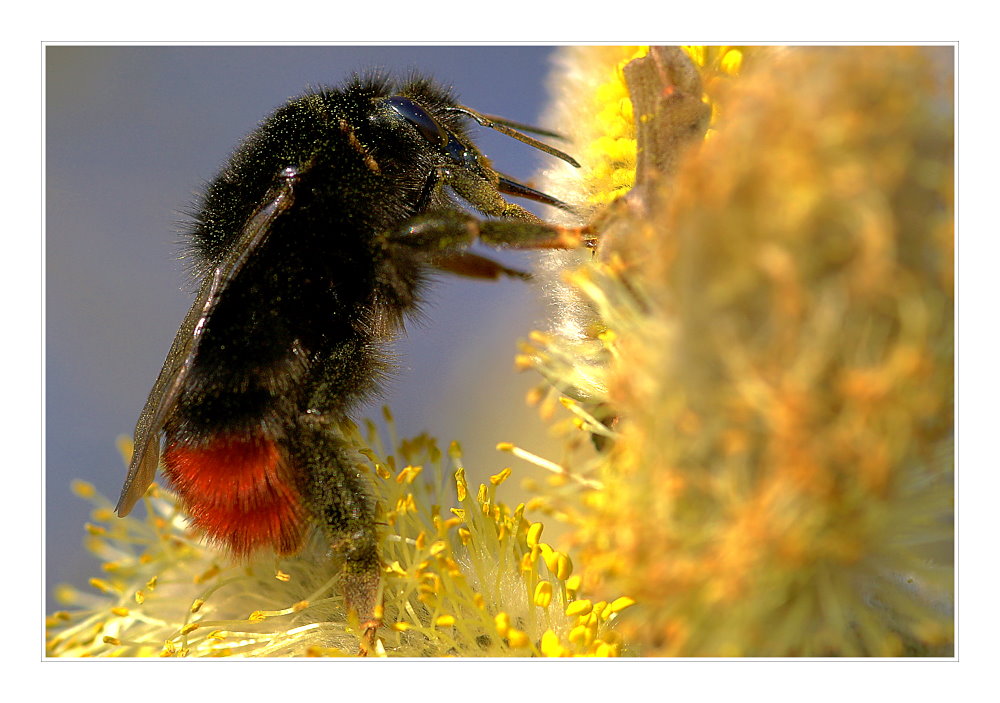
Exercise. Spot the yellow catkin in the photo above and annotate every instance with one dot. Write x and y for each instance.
(783, 376)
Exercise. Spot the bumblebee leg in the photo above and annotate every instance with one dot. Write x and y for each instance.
(337, 496)
(447, 231)
(466, 263)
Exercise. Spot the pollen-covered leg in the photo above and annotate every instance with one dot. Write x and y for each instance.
(337, 495)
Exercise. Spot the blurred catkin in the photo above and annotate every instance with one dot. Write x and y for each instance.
(782, 479)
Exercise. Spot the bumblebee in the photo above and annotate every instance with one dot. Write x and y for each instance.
(312, 245)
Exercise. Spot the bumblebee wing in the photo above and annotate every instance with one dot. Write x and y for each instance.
(180, 358)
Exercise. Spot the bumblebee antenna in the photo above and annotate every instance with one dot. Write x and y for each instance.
(511, 187)
(504, 127)
(522, 127)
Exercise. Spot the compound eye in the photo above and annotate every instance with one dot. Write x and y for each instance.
(418, 117)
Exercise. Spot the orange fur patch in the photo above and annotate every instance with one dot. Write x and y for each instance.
(238, 491)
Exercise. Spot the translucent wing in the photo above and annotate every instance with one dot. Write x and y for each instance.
(180, 358)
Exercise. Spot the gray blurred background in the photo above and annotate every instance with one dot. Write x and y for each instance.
(131, 135)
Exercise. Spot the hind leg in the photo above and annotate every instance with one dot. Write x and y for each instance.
(337, 495)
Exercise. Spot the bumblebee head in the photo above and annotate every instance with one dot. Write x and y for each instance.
(458, 163)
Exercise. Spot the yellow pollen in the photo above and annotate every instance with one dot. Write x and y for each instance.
(534, 532)
(557, 562)
(581, 635)
(518, 639)
(499, 478)
(103, 515)
(550, 645)
(438, 547)
(409, 474)
(620, 604)
(564, 566)
(528, 561)
(543, 594)
(207, 575)
(732, 62)
(605, 650)
(502, 621)
(102, 585)
(83, 489)
(523, 362)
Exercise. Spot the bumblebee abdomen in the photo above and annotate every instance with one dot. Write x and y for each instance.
(240, 491)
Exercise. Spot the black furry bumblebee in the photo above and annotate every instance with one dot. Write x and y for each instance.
(312, 244)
